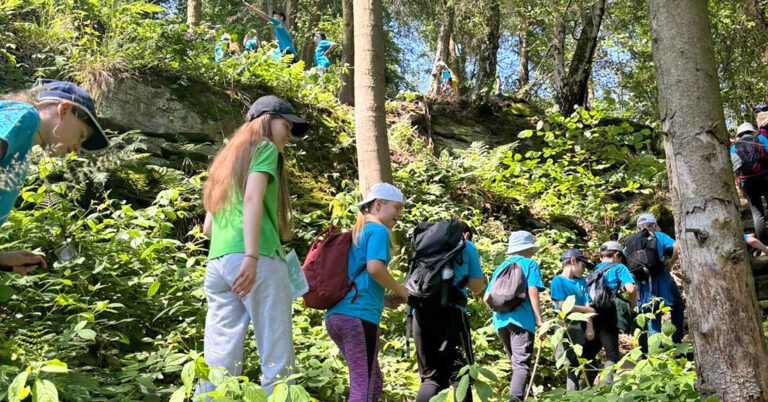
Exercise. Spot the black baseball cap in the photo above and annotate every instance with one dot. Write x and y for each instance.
(273, 105)
(575, 253)
(67, 91)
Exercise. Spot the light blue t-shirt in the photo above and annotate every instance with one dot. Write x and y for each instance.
(284, 41)
(373, 244)
(662, 283)
(522, 316)
(220, 51)
(18, 124)
(562, 287)
(445, 77)
(320, 59)
(469, 267)
(251, 45)
(616, 276)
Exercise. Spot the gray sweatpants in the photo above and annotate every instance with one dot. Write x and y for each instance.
(268, 306)
(518, 343)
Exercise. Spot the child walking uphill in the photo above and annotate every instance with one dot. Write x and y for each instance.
(56, 115)
(353, 323)
(516, 327)
(247, 204)
(571, 283)
(442, 334)
(616, 276)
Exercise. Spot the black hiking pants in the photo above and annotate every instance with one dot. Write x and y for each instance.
(755, 190)
(440, 336)
(606, 329)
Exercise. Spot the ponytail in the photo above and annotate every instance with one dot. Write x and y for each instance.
(357, 229)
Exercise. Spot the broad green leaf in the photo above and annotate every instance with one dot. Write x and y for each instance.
(55, 366)
(180, 395)
(6, 293)
(188, 375)
(488, 374)
(484, 391)
(44, 391)
(253, 393)
(280, 393)
(463, 388)
(18, 389)
(568, 304)
(87, 334)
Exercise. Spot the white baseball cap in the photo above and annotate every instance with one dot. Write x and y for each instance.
(745, 128)
(645, 219)
(382, 191)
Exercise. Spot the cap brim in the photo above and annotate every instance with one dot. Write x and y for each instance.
(300, 126)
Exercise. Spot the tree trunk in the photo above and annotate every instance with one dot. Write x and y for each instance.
(194, 13)
(271, 6)
(558, 53)
(522, 51)
(728, 343)
(289, 17)
(457, 62)
(486, 66)
(347, 91)
(308, 46)
(573, 90)
(370, 124)
(442, 50)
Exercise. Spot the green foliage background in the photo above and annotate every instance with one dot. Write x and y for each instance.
(124, 320)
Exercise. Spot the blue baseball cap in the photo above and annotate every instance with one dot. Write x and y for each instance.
(67, 91)
(574, 253)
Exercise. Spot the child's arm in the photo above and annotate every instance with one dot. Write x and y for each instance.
(590, 332)
(755, 243)
(256, 10)
(334, 45)
(533, 293)
(253, 206)
(576, 309)
(632, 292)
(380, 274)
(207, 224)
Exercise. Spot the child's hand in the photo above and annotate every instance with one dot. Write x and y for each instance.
(590, 334)
(392, 301)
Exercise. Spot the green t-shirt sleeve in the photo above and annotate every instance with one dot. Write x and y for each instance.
(264, 159)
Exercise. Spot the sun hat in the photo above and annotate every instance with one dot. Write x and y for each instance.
(382, 191)
(67, 91)
(574, 253)
(519, 241)
(611, 246)
(273, 105)
(645, 219)
(745, 128)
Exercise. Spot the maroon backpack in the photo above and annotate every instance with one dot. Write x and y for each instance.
(326, 270)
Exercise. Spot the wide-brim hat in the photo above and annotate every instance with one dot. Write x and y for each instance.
(521, 240)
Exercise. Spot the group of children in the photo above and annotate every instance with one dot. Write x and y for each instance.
(323, 47)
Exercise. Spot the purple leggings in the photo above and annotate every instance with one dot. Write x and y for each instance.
(358, 341)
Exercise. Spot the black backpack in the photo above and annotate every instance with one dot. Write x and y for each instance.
(509, 289)
(602, 296)
(752, 155)
(641, 249)
(438, 246)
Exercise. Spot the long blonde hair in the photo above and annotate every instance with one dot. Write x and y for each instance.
(229, 171)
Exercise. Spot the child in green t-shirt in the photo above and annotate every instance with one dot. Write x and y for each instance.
(247, 204)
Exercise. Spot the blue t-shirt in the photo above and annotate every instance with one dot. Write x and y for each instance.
(220, 51)
(522, 316)
(470, 266)
(284, 41)
(760, 138)
(373, 244)
(251, 45)
(562, 287)
(616, 276)
(660, 285)
(320, 59)
(445, 77)
(18, 124)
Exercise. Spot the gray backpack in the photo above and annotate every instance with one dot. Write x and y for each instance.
(509, 289)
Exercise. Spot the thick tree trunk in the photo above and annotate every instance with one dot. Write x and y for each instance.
(573, 90)
(347, 91)
(370, 124)
(486, 66)
(729, 347)
(442, 50)
(194, 13)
